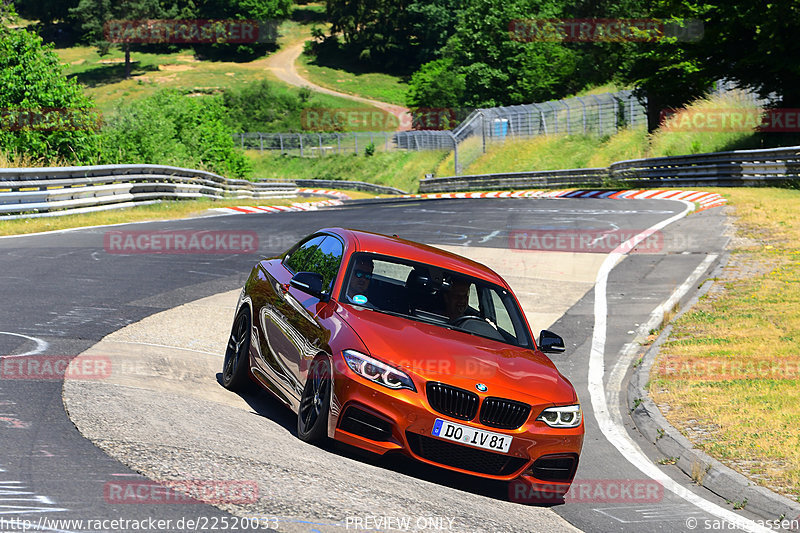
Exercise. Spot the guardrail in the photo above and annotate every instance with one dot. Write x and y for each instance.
(739, 168)
(36, 192)
(516, 180)
(348, 185)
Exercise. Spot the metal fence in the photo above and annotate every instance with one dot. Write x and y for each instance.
(603, 114)
(317, 144)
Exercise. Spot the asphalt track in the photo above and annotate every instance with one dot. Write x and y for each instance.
(65, 290)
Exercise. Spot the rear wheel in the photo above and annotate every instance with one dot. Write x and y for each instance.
(237, 356)
(312, 417)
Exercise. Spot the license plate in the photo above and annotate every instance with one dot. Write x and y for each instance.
(488, 440)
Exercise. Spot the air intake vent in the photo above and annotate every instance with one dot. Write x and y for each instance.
(555, 467)
(463, 457)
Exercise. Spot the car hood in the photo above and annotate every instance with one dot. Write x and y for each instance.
(439, 354)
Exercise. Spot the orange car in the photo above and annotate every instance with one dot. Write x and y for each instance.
(391, 345)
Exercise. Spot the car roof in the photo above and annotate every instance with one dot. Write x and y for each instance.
(364, 241)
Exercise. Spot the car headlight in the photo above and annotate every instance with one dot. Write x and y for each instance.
(376, 371)
(568, 416)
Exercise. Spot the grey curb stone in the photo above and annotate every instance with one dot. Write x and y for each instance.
(702, 468)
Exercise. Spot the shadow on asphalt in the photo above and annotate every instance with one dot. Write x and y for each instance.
(263, 404)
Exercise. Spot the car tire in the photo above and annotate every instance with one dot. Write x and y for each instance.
(312, 416)
(235, 373)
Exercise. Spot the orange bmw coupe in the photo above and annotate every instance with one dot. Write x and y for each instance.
(390, 345)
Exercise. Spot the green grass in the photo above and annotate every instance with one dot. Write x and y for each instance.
(581, 151)
(103, 77)
(397, 169)
(338, 74)
(550, 152)
(347, 77)
(732, 364)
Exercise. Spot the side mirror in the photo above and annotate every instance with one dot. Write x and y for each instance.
(309, 283)
(549, 342)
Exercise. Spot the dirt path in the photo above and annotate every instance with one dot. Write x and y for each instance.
(283, 65)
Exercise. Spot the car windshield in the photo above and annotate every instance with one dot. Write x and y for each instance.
(434, 295)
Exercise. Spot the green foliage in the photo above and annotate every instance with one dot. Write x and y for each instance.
(369, 150)
(500, 69)
(391, 34)
(94, 15)
(399, 169)
(484, 65)
(436, 84)
(260, 10)
(33, 88)
(260, 107)
(45, 11)
(174, 129)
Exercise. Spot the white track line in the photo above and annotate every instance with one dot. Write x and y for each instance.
(40, 344)
(616, 433)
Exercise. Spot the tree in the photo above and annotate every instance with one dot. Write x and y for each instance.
(267, 12)
(46, 11)
(44, 115)
(436, 84)
(753, 43)
(747, 42)
(497, 67)
(94, 15)
(397, 35)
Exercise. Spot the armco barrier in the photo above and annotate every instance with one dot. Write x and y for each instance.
(740, 168)
(517, 180)
(349, 185)
(35, 192)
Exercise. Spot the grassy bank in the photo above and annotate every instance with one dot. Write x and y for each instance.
(103, 77)
(729, 376)
(397, 169)
(347, 77)
(581, 151)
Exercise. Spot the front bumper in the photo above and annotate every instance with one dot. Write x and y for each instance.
(378, 419)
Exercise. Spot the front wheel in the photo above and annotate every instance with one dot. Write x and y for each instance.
(312, 417)
(237, 356)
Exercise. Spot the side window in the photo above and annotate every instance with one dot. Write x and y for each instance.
(473, 297)
(300, 259)
(501, 314)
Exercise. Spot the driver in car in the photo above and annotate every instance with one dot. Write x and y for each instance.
(360, 277)
(456, 298)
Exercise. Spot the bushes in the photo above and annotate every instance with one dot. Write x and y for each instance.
(173, 129)
(263, 107)
(43, 115)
